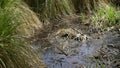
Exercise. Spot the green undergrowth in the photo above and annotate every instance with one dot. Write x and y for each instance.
(4, 3)
(106, 16)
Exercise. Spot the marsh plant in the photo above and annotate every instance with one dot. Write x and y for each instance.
(30, 23)
(86, 6)
(4, 3)
(52, 9)
(106, 16)
(15, 52)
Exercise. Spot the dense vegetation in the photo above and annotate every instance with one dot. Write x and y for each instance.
(15, 51)
(18, 23)
(52, 9)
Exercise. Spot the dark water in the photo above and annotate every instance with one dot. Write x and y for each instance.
(82, 54)
(79, 59)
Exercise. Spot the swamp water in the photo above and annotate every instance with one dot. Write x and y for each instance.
(90, 53)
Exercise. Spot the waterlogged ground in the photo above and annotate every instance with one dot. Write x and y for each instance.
(79, 47)
(84, 54)
(79, 59)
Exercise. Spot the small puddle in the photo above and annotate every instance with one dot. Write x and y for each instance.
(81, 59)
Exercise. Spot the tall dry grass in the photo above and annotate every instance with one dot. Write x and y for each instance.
(15, 52)
(86, 5)
(52, 9)
(30, 22)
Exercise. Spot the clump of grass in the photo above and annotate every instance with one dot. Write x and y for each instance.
(14, 52)
(3, 3)
(81, 5)
(59, 7)
(30, 22)
(86, 6)
(106, 16)
(52, 9)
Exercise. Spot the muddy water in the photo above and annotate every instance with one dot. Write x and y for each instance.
(82, 54)
(80, 57)
(54, 60)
